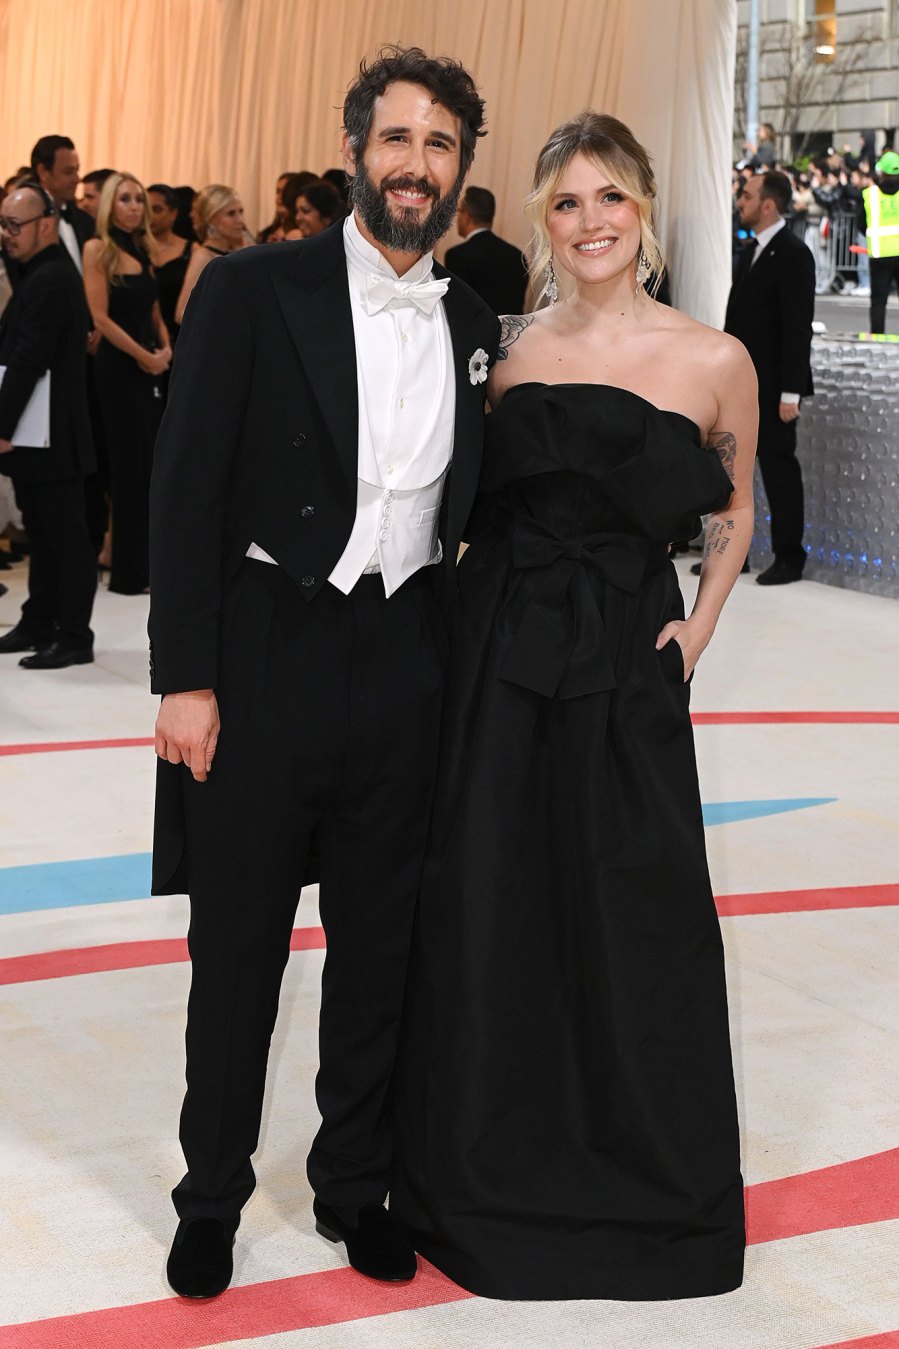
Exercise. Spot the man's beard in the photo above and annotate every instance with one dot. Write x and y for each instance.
(405, 232)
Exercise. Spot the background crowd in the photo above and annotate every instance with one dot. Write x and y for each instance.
(828, 211)
(139, 251)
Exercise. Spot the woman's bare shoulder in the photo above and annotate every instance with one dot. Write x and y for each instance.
(512, 326)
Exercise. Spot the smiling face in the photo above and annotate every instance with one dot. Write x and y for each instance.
(129, 206)
(406, 187)
(63, 177)
(309, 220)
(593, 226)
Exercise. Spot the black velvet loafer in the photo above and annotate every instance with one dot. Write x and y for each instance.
(779, 574)
(201, 1262)
(376, 1246)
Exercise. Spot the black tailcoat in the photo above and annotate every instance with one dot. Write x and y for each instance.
(259, 444)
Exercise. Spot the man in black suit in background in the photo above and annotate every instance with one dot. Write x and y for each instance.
(43, 329)
(495, 270)
(770, 309)
(56, 166)
(304, 516)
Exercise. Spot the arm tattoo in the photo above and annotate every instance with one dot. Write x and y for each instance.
(513, 325)
(717, 537)
(724, 443)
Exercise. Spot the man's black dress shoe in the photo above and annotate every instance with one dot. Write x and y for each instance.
(21, 638)
(697, 568)
(779, 574)
(57, 655)
(377, 1246)
(201, 1262)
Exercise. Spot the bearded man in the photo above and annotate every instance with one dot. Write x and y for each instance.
(314, 473)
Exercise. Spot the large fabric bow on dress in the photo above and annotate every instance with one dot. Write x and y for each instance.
(560, 648)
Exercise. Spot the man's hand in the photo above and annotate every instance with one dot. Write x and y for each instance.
(5, 446)
(187, 730)
(789, 412)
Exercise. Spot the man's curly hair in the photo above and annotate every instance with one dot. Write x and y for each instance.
(447, 81)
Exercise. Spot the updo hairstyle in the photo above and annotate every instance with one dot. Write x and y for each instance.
(207, 205)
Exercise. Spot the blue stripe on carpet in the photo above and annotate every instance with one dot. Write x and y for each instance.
(105, 880)
(726, 812)
(58, 885)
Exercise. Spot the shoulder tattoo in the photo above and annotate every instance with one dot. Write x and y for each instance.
(724, 443)
(513, 325)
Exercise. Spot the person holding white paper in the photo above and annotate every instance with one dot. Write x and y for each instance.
(47, 454)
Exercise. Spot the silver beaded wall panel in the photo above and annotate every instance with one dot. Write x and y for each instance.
(849, 451)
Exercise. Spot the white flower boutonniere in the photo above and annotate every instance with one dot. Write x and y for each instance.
(477, 366)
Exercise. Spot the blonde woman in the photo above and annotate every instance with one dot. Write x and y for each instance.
(218, 219)
(131, 360)
(566, 1118)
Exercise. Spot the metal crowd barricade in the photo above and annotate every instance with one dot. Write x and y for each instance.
(842, 232)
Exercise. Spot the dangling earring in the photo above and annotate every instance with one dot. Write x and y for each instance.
(644, 270)
(551, 289)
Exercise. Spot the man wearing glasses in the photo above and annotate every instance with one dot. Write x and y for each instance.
(43, 330)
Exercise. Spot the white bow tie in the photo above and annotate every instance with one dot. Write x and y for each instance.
(380, 290)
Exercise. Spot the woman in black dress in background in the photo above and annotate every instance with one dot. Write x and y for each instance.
(132, 358)
(172, 253)
(565, 1107)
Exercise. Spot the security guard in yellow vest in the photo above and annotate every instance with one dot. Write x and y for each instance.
(881, 206)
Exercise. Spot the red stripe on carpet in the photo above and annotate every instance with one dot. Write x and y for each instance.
(134, 955)
(890, 1340)
(128, 955)
(795, 718)
(865, 1190)
(808, 901)
(699, 719)
(324, 1299)
(58, 746)
(849, 1194)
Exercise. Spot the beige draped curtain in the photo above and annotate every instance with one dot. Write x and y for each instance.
(236, 91)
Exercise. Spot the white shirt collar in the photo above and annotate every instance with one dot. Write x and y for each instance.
(481, 229)
(765, 236)
(364, 257)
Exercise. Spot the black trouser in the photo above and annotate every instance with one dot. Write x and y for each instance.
(62, 572)
(330, 712)
(782, 477)
(884, 276)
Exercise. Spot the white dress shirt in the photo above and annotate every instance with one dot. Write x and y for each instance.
(404, 373)
(69, 240)
(764, 238)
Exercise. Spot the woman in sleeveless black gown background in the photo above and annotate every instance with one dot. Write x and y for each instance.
(566, 1117)
(130, 363)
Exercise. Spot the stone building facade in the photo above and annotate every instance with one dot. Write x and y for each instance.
(829, 69)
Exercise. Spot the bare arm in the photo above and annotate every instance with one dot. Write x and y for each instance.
(162, 332)
(199, 259)
(729, 531)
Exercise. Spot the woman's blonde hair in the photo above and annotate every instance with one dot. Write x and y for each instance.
(214, 198)
(612, 147)
(109, 251)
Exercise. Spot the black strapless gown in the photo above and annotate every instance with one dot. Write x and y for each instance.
(565, 1108)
